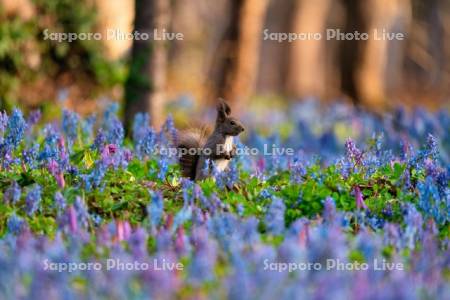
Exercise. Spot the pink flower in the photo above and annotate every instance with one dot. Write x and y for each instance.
(55, 170)
(73, 223)
(123, 230)
(261, 164)
(120, 230)
(60, 180)
(359, 198)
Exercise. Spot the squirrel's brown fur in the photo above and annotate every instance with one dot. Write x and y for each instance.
(191, 139)
(217, 147)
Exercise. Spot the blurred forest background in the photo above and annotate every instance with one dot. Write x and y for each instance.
(223, 54)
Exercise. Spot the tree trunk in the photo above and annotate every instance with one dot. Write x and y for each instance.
(239, 51)
(351, 51)
(144, 89)
(382, 60)
(307, 64)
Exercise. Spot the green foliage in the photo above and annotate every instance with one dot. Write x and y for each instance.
(25, 55)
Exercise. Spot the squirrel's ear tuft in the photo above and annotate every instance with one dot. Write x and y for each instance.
(223, 109)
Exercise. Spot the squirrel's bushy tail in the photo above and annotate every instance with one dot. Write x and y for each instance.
(194, 140)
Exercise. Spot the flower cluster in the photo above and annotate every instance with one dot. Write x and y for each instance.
(360, 192)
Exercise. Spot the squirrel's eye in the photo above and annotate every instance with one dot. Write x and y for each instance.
(233, 123)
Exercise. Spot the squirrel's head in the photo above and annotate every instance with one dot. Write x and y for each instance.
(225, 123)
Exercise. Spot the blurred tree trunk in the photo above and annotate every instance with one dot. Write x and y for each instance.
(238, 53)
(144, 88)
(371, 69)
(307, 64)
(350, 51)
(382, 60)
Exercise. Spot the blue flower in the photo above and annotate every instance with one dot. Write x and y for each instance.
(232, 175)
(33, 199)
(60, 201)
(182, 217)
(147, 143)
(275, 216)
(265, 193)
(115, 132)
(329, 209)
(156, 208)
(81, 211)
(30, 155)
(432, 146)
(13, 193)
(163, 168)
(112, 126)
(70, 121)
(14, 131)
(140, 126)
(33, 118)
(50, 150)
(170, 130)
(15, 224)
(3, 123)
(431, 203)
(87, 125)
(95, 178)
(99, 141)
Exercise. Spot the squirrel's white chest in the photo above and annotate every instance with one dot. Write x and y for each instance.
(222, 164)
(228, 145)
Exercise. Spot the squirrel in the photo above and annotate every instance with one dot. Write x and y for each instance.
(218, 147)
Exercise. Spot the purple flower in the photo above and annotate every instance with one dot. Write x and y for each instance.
(138, 242)
(353, 153)
(33, 118)
(54, 169)
(60, 201)
(33, 199)
(298, 170)
(108, 154)
(12, 193)
(359, 198)
(73, 220)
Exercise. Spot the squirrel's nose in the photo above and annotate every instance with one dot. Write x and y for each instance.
(242, 129)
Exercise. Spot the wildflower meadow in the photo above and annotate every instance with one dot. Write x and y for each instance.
(358, 208)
